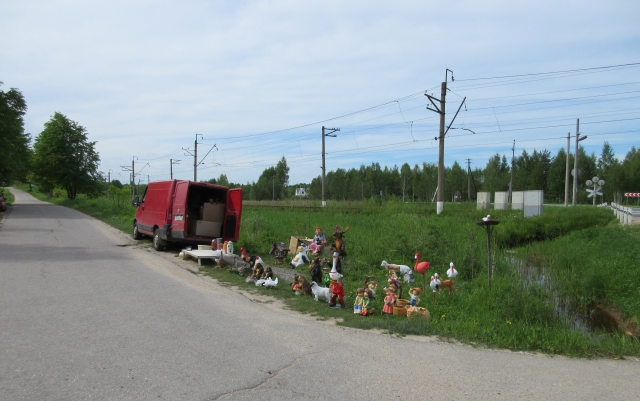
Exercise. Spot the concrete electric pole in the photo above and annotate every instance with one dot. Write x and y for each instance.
(171, 163)
(566, 174)
(332, 130)
(575, 164)
(441, 110)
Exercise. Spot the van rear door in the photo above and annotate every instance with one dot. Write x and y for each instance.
(233, 215)
(179, 211)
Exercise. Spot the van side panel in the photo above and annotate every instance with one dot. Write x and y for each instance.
(233, 215)
(179, 212)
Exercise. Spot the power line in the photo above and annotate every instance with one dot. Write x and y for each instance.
(551, 72)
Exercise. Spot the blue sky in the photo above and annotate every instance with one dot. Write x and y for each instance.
(259, 79)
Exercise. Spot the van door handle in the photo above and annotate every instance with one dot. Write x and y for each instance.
(142, 207)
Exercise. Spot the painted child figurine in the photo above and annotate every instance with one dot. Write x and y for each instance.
(366, 304)
(414, 299)
(318, 241)
(337, 290)
(357, 305)
(371, 285)
(389, 300)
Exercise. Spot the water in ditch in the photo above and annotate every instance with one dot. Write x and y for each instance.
(587, 322)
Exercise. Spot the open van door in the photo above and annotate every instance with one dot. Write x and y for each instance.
(233, 215)
(179, 210)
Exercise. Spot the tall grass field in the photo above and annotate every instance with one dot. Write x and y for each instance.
(551, 274)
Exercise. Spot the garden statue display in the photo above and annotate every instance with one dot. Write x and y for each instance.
(452, 272)
(414, 298)
(279, 251)
(300, 285)
(421, 267)
(404, 270)
(250, 259)
(301, 257)
(389, 300)
(320, 292)
(395, 281)
(371, 285)
(336, 264)
(357, 303)
(367, 309)
(316, 270)
(319, 240)
(338, 244)
(266, 280)
(435, 286)
(337, 290)
(257, 271)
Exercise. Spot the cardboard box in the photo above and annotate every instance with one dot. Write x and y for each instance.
(191, 226)
(296, 241)
(213, 212)
(208, 228)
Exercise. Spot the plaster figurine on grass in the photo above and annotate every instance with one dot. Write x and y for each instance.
(337, 290)
(319, 240)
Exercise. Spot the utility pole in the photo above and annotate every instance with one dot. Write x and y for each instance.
(171, 163)
(575, 164)
(332, 130)
(133, 175)
(566, 174)
(441, 110)
(513, 156)
(469, 180)
(195, 157)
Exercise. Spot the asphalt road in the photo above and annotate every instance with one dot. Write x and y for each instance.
(86, 316)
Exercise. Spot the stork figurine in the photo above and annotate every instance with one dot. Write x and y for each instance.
(435, 286)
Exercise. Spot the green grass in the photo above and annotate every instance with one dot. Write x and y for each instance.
(588, 257)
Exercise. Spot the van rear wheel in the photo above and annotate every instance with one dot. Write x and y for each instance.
(158, 243)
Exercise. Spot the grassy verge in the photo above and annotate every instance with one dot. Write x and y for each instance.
(589, 260)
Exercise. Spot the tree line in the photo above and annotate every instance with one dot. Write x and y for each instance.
(418, 183)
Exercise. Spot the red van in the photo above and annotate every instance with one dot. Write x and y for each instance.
(187, 211)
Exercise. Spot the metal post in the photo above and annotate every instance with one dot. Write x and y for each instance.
(171, 168)
(489, 255)
(324, 203)
(513, 155)
(566, 174)
(133, 175)
(469, 180)
(575, 165)
(575, 168)
(440, 199)
(195, 160)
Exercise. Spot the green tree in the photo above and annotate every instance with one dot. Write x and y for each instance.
(496, 174)
(556, 178)
(14, 143)
(64, 157)
(608, 168)
(282, 178)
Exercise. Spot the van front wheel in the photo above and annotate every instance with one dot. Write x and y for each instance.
(136, 233)
(158, 243)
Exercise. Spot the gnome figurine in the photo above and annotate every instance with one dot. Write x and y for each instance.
(337, 291)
